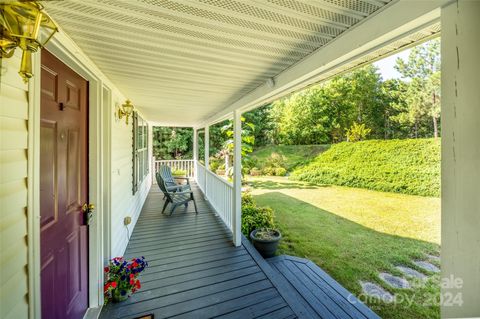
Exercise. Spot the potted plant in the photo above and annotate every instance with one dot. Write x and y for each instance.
(265, 240)
(179, 173)
(121, 278)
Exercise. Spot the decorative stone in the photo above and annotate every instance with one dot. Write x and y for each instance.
(407, 271)
(376, 291)
(394, 281)
(434, 258)
(426, 266)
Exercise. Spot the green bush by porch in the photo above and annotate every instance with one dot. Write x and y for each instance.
(401, 166)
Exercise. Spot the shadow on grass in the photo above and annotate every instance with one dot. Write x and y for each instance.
(269, 184)
(351, 252)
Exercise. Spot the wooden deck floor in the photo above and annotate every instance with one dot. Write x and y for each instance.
(194, 270)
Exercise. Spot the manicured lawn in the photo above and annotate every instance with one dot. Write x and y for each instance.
(354, 234)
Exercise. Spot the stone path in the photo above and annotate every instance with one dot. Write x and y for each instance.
(394, 281)
(376, 291)
(427, 266)
(409, 272)
(434, 258)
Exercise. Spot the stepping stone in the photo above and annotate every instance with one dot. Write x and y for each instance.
(434, 258)
(427, 266)
(394, 281)
(376, 291)
(407, 271)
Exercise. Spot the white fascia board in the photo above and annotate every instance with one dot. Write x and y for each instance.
(394, 21)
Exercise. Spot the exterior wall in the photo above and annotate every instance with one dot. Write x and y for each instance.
(461, 159)
(13, 191)
(14, 201)
(123, 202)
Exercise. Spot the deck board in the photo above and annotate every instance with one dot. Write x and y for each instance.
(194, 269)
(322, 296)
(196, 272)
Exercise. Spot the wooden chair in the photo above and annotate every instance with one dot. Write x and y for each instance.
(174, 196)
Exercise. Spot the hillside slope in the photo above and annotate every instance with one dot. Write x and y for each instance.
(401, 166)
(294, 154)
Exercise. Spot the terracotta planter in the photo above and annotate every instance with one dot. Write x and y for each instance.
(266, 247)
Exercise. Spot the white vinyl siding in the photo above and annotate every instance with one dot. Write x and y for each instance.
(13, 191)
(123, 202)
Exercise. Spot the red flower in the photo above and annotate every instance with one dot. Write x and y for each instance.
(135, 264)
(114, 284)
(107, 269)
(132, 282)
(137, 284)
(131, 276)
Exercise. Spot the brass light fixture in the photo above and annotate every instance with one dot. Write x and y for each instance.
(126, 110)
(24, 25)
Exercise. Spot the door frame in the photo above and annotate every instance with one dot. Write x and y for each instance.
(99, 168)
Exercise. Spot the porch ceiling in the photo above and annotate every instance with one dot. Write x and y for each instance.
(181, 62)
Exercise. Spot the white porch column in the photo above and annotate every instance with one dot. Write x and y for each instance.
(195, 152)
(460, 257)
(237, 178)
(207, 156)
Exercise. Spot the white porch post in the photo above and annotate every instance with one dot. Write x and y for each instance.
(460, 257)
(237, 178)
(195, 152)
(207, 156)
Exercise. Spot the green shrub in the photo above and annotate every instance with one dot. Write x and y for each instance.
(270, 171)
(357, 132)
(249, 162)
(255, 171)
(280, 171)
(247, 199)
(254, 217)
(215, 164)
(276, 160)
(400, 166)
(179, 172)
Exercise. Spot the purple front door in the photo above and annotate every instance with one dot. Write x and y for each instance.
(63, 191)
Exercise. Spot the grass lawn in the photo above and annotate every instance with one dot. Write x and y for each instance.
(294, 154)
(353, 234)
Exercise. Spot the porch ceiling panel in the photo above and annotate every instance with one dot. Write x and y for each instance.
(180, 62)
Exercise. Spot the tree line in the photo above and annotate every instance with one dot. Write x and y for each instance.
(356, 105)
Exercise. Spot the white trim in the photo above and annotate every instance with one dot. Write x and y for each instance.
(207, 155)
(237, 178)
(107, 106)
(33, 192)
(99, 168)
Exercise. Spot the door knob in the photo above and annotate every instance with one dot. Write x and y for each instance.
(88, 210)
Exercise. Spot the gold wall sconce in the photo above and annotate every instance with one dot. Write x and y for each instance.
(24, 25)
(125, 110)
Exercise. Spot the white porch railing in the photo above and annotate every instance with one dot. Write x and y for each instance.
(218, 191)
(200, 177)
(220, 195)
(175, 165)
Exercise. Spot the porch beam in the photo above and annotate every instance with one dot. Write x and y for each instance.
(397, 20)
(460, 257)
(237, 179)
